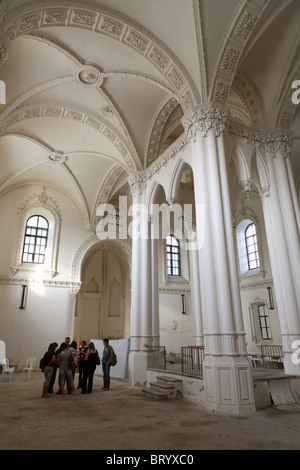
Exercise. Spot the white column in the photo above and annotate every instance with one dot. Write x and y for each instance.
(155, 293)
(230, 242)
(283, 243)
(207, 286)
(293, 190)
(227, 375)
(144, 294)
(289, 218)
(196, 298)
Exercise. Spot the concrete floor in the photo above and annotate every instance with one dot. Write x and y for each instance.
(124, 419)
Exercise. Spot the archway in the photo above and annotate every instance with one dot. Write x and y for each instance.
(103, 303)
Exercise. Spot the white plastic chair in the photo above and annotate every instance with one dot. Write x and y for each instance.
(29, 366)
(6, 369)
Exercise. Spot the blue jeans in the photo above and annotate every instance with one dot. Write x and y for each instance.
(106, 377)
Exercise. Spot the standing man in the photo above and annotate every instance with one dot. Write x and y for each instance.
(108, 354)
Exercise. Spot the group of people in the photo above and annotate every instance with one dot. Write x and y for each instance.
(67, 358)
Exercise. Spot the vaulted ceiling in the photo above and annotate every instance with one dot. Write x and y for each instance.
(95, 90)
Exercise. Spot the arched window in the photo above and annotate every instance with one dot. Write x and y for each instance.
(35, 241)
(252, 247)
(173, 256)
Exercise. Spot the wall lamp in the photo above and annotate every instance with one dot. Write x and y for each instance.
(183, 304)
(24, 296)
(271, 301)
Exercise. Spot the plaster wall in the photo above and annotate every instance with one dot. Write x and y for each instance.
(176, 329)
(47, 317)
(49, 310)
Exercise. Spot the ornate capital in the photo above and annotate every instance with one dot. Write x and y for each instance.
(278, 141)
(266, 190)
(137, 182)
(246, 185)
(205, 118)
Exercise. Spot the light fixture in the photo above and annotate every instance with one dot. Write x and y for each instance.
(24, 295)
(183, 304)
(271, 302)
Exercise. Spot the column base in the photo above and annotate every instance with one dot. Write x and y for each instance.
(291, 353)
(137, 368)
(228, 385)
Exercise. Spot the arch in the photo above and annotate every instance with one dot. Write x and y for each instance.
(263, 173)
(173, 190)
(234, 44)
(103, 303)
(92, 244)
(242, 159)
(157, 128)
(252, 101)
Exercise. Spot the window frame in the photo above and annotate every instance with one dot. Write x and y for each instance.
(174, 251)
(36, 242)
(249, 245)
(266, 319)
(48, 209)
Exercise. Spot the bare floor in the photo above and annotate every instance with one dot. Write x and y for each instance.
(124, 419)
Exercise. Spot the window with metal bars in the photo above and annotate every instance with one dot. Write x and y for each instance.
(173, 256)
(35, 240)
(252, 247)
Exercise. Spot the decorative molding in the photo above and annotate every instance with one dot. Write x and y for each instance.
(232, 48)
(245, 25)
(139, 179)
(246, 185)
(278, 141)
(102, 126)
(106, 21)
(175, 290)
(43, 199)
(257, 284)
(157, 130)
(88, 76)
(204, 118)
(74, 287)
(105, 190)
(39, 201)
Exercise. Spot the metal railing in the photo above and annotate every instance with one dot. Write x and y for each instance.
(156, 357)
(192, 358)
(272, 356)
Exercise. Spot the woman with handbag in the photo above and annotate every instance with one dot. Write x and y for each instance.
(91, 359)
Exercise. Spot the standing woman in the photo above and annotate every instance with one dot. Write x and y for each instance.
(50, 364)
(90, 362)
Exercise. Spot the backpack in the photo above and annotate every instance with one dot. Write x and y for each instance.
(114, 358)
(43, 363)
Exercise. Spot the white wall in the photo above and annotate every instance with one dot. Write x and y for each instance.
(47, 317)
(176, 329)
(49, 312)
